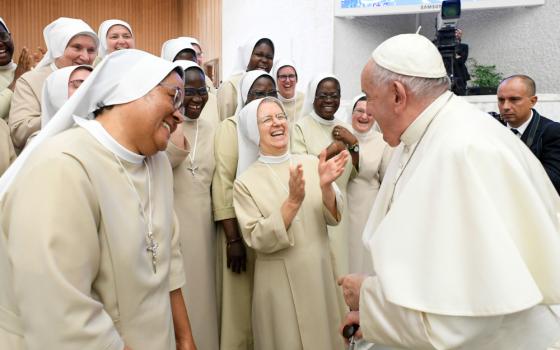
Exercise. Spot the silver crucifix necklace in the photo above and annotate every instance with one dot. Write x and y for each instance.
(151, 244)
(193, 168)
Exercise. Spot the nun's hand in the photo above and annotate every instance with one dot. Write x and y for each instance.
(342, 134)
(351, 285)
(38, 55)
(335, 148)
(24, 65)
(330, 170)
(296, 184)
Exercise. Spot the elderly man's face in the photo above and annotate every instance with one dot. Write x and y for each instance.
(379, 104)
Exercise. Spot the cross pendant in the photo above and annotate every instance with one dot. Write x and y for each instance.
(192, 169)
(152, 248)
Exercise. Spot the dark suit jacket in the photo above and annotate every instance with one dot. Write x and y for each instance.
(542, 136)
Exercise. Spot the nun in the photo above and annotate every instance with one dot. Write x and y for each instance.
(317, 130)
(283, 203)
(234, 260)
(99, 266)
(256, 53)
(70, 42)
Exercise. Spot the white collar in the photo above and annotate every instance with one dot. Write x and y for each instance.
(9, 66)
(274, 159)
(523, 126)
(100, 134)
(363, 136)
(191, 120)
(284, 99)
(53, 66)
(321, 120)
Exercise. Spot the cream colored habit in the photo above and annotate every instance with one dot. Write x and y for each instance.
(362, 191)
(25, 110)
(192, 180)
(6, 78)
(235, 290)
(293, 109)
(452, 244)
(7, 152)
(296, 303)
(83, 278)
(227, 96)
(311, 137)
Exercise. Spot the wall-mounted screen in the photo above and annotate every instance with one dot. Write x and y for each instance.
(390, 7)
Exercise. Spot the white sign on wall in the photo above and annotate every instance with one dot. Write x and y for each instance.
(345, 8)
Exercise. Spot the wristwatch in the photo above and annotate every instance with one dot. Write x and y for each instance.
(355, 148)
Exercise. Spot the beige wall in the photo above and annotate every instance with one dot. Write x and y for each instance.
(153, 21)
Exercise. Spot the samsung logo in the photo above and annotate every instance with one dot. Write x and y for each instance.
(430, 6)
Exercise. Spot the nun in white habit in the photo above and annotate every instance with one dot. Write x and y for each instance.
(199, 54)
(316, 131)
(235, 262)
(99, 265)
(256, 53)
(58, 87)
(284, 219)
(114, 34)
(69, 42)
(285, 74)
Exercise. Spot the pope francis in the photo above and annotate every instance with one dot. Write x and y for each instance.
(465, 233)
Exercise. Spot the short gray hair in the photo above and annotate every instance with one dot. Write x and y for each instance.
(420, 87)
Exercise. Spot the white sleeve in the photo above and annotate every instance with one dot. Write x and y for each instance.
(386, 323)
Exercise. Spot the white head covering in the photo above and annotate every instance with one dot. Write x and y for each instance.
(102, 33)
(188, 64)
(274, 72)
(172, 47)
(123, 76)
(245, 52)
(312, 90)
(410, 54)
(355, 100)
(55, 92)
(58, 34)
(190, 39)
(248, 137)
(245, 84)
(10, 65)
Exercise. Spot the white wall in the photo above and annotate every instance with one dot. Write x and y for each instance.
(521, 40)
(355, 39)
(517, 40)
(302, 30)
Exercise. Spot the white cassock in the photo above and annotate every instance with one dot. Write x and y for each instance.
(466, 251)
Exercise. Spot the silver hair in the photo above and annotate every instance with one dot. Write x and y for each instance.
(419, 87)
(270, 99)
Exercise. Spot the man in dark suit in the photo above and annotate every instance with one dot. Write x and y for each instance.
(460, 71)
(516, 99)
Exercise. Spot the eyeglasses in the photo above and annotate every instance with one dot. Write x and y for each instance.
(358, 111)
(263, 94)
(280, 117)
(324, 97)
(190, 92)
(178, 97)
(284, 77)
(5, 36)
(75, 83)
